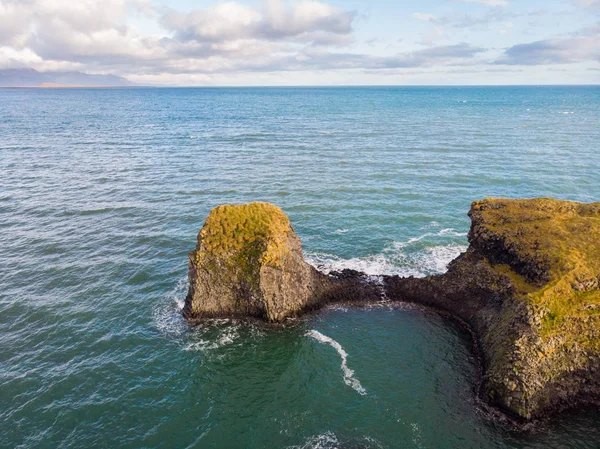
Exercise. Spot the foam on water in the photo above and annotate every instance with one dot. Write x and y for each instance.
(326, 440)
(167, 314)
(227, 332)
(349, 378)
(408, 258)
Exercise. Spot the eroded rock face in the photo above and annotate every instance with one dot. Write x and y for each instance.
(248, 262)
(528, 285)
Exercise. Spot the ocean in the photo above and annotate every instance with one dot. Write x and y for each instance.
(103, 192)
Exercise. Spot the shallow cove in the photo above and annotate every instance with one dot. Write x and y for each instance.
(368, 377)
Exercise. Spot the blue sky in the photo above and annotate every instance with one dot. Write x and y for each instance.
(308, 42)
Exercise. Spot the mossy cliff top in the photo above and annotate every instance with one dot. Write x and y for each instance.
(255, 230)
(550, 249)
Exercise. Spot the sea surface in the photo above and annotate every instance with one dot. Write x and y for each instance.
(103, 192)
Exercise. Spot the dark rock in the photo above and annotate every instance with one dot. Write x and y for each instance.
(528, 286)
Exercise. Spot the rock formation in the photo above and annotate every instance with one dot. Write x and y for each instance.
(528, 285)
(248, 262)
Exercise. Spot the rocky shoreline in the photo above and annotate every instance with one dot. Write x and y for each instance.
(528, 287)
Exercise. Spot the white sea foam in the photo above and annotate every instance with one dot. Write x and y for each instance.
(177, 295)
(341, 231)
(372, 265)
(349, 378)
(167, 314)
(327, 440)
(408, 258)
(226, 335)
(567, 112)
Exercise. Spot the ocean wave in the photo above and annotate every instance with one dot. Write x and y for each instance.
(326, 440)
(227, 333)
(349, 378)
(408, 258)
(167, 314)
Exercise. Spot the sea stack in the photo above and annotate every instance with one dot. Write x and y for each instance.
(248, 262)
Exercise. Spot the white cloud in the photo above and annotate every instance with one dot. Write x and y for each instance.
(231, 39)
(425, 17)
(487, 2)
(554, 51)
(276, 20)
(588, 3)
(14, 22)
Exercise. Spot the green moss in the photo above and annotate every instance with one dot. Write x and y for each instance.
(245, 234)
(551, 254)
(521, 283)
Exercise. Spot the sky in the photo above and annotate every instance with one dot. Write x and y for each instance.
(308, 42)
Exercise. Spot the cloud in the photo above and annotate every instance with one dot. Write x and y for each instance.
(50, 33)
(437, 31)
(317, 58)
(275, 21)
(430, 57)
(487, 2)
(437, 55)
(229, 38)
(553, 51)
(63, 30)
(425, 17)
(14, 21)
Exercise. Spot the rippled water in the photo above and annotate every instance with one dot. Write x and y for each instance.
(101, 197)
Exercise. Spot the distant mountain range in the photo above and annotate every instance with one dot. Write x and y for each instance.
(33, 78)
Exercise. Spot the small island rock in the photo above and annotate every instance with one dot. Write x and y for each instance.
(248, 262)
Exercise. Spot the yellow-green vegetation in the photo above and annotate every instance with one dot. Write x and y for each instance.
(245, 233)
(551, 253)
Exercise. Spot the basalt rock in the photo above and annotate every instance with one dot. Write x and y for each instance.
(529, 287)
(248, 263)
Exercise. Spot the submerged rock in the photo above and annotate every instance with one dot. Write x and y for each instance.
(529, 287)
(248, 262)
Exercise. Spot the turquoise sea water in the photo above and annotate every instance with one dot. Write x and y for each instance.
(102, 194)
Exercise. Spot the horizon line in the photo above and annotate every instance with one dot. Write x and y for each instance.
(297, 86)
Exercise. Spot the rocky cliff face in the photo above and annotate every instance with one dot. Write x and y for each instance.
(248, 262)
(529, 287)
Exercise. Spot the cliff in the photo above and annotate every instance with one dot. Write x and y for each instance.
(528, 286)
(248, 262)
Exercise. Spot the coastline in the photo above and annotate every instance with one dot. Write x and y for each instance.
(248, 262)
